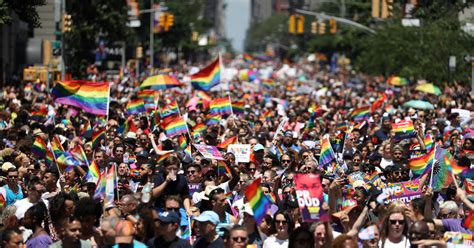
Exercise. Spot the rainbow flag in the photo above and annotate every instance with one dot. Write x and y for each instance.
(93, 175)
(220, 106)
(268, 84)
(238, 108)
(403, 129)
(128, 126)
(222, 168)
(136, 106)
(199, 128)
(247, 58)
(148, 95)
(86, 130)
(100, 188)
(170, 109)
(466, 173)
(257, 200)
(97, 137)
(361, 114)
(40, 115)
(161, 82)
(187, 151)
(39, 147)
(327, 154)
(378, 103)
(442, 171)
(420, 165)
(468, 221)
(203, 95)
(428, 141)
(213, 119)
(182, 143)
(175, 126)
(208, 77)
(224, 144)
(163, 157)
(79, 155)
(92, 97)
(56, 146)
(110, 184)
(49, 159)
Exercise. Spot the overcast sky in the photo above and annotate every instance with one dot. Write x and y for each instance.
(237, 21)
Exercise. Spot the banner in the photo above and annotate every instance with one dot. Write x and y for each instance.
(310, 197)
(458, 240)
(209, 152)
(403, 191)
(240, 151)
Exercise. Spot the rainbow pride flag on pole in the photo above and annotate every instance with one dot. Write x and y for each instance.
(220, 106)
(442, 171)
(110, 184)
(222, 168)
(175, 126)
(92, 97)
(361, 114)
(238, 108)
(208, 77)
(257, 200)
(136, 106)
(100, 188)
(39, 147)
(97, 137)
(170, 109)
(422, 164)
(327, 154)
(93, 175)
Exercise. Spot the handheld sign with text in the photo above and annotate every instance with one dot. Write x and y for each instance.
(240, 151)
(310, 197)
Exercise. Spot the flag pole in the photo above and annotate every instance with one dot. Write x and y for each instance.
(432, 167)
(187, 129)
(55, 160)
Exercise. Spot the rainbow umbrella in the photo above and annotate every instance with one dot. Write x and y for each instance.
(397, 81)
(429, 88)
(161, 82)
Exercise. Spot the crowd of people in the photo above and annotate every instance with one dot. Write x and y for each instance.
(168, 197)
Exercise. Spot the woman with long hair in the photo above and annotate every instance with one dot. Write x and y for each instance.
(394, 230)
(35, 218)
(282, 227)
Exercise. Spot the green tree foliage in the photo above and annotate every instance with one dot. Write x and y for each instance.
(93, 20)
(25, 9)
(273, 29)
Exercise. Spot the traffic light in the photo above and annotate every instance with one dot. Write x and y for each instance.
(314, 27)
(376, 8)
(166, 21)
(194, 36)
(66, 23)
(322, 27)
(300, 24)
(387, 8)
(332, 26)
(170, 21)
(163, 19)
(291, 24)
(139, 52)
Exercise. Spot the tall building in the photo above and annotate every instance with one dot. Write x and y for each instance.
(214, 11)
(261, 10)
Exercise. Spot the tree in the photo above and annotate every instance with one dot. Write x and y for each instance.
(25, 9)
(93, 20)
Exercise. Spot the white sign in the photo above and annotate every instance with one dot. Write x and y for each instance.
(240, 151)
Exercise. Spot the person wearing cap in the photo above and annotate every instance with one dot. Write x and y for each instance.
(166, 235)
(288, 143)
(208, 222)
(248, 221)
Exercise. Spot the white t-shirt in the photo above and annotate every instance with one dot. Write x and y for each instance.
(273, 242)
(404, 243)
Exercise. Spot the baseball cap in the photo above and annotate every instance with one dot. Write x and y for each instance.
(258, 147)
(169, 217)
(288, 134)
(6, 166)
(142, 154)
(208, 190)
(210, 216)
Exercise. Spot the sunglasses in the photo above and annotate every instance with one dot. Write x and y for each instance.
(240, 239)
(172, 209)
(252, 169)
(286, 161)
(13, 177)
(191, 172)
(393, 222)
(283, 222)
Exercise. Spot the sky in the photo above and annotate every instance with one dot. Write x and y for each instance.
(237, 21)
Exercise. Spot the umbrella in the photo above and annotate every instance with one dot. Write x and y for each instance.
(397, 81)
(418, 104)
(429, 88)
(161, 82)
